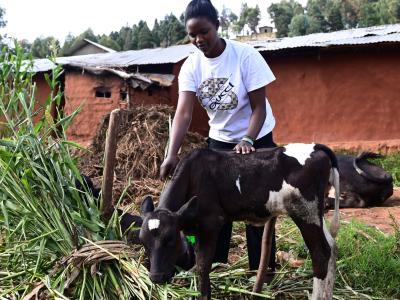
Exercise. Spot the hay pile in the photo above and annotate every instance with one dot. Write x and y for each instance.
(142, 138)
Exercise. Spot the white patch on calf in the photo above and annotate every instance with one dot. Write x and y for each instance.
(323, 288)
(308, 209)
(153, 224)
(331, 193)
(238, 184)
(299, 151)
(275, 203)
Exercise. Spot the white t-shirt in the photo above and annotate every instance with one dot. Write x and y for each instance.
(221, 85)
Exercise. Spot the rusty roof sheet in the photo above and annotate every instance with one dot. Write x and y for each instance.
(357, 36)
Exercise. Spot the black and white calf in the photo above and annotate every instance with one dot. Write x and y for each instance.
(362, 183)
(210, 187)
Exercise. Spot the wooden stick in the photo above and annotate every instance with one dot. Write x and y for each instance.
(265, 255)
(106, 206)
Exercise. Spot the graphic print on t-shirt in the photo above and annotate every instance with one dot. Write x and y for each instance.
(217, 94)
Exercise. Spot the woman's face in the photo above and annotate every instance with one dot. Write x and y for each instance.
(203, 34)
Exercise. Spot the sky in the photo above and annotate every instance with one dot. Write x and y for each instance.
(29, 19)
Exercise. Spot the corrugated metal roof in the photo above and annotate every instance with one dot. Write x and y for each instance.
(358, 36)
(122, 59)
(43, 65)
(173, 54)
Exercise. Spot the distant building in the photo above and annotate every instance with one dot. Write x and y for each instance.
(86, 46)
(265, 29)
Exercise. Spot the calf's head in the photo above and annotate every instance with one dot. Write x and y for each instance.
(160, 235)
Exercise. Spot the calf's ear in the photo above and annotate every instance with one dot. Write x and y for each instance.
(187, 213)
(147, 206)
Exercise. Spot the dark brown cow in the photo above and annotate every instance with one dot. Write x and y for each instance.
(362, 183)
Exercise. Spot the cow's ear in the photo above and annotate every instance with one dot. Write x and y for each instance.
(147, 206)
(188, 212)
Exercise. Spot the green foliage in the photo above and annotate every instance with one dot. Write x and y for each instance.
(69, 41)
(368, 261)
(170, 31)
(52, 238)
(249, 16)
(299, 25)
(2, 21)
(334, 17)
(224, 21)
(350, 13)
(253, 17)
(45, 47)
(145, 39)
(282, 14)
(107, 41)
(331, 15)
(369, 15)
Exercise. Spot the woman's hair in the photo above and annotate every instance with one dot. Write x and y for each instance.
(201, 8)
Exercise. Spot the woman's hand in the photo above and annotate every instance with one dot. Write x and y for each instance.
(244, 148)
(168, 166)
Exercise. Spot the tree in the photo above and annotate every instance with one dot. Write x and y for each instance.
(334, 16)
(253, 18)
(299, 25)
(88, 34)
(107, 41)
(69, 41)
(156, 33)
(44, 47)
(316, 12)
(25, 45)
(145, 39)
(388, 11)
(171, 31)
(369, 15)
(224, 21)
(282, 14)
(125, 38)
(2, 21)
(350, 13)
(239, 24)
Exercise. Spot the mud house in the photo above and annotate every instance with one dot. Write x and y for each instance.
(339, 88)
(99, 83)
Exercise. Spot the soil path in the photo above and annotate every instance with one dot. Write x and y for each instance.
(378, 217)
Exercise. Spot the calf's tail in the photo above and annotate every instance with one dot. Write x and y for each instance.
(334, 180)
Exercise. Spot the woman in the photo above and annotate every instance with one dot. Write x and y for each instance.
(228, 78)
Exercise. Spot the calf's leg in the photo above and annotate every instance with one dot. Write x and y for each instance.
(323, 252)
(266, 248)
(205, 250)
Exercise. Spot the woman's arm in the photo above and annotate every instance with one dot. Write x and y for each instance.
(180, 126)
(257, 119)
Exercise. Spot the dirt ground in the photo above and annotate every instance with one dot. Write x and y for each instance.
(379, 217)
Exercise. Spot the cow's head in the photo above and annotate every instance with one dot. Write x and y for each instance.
(160, 234)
